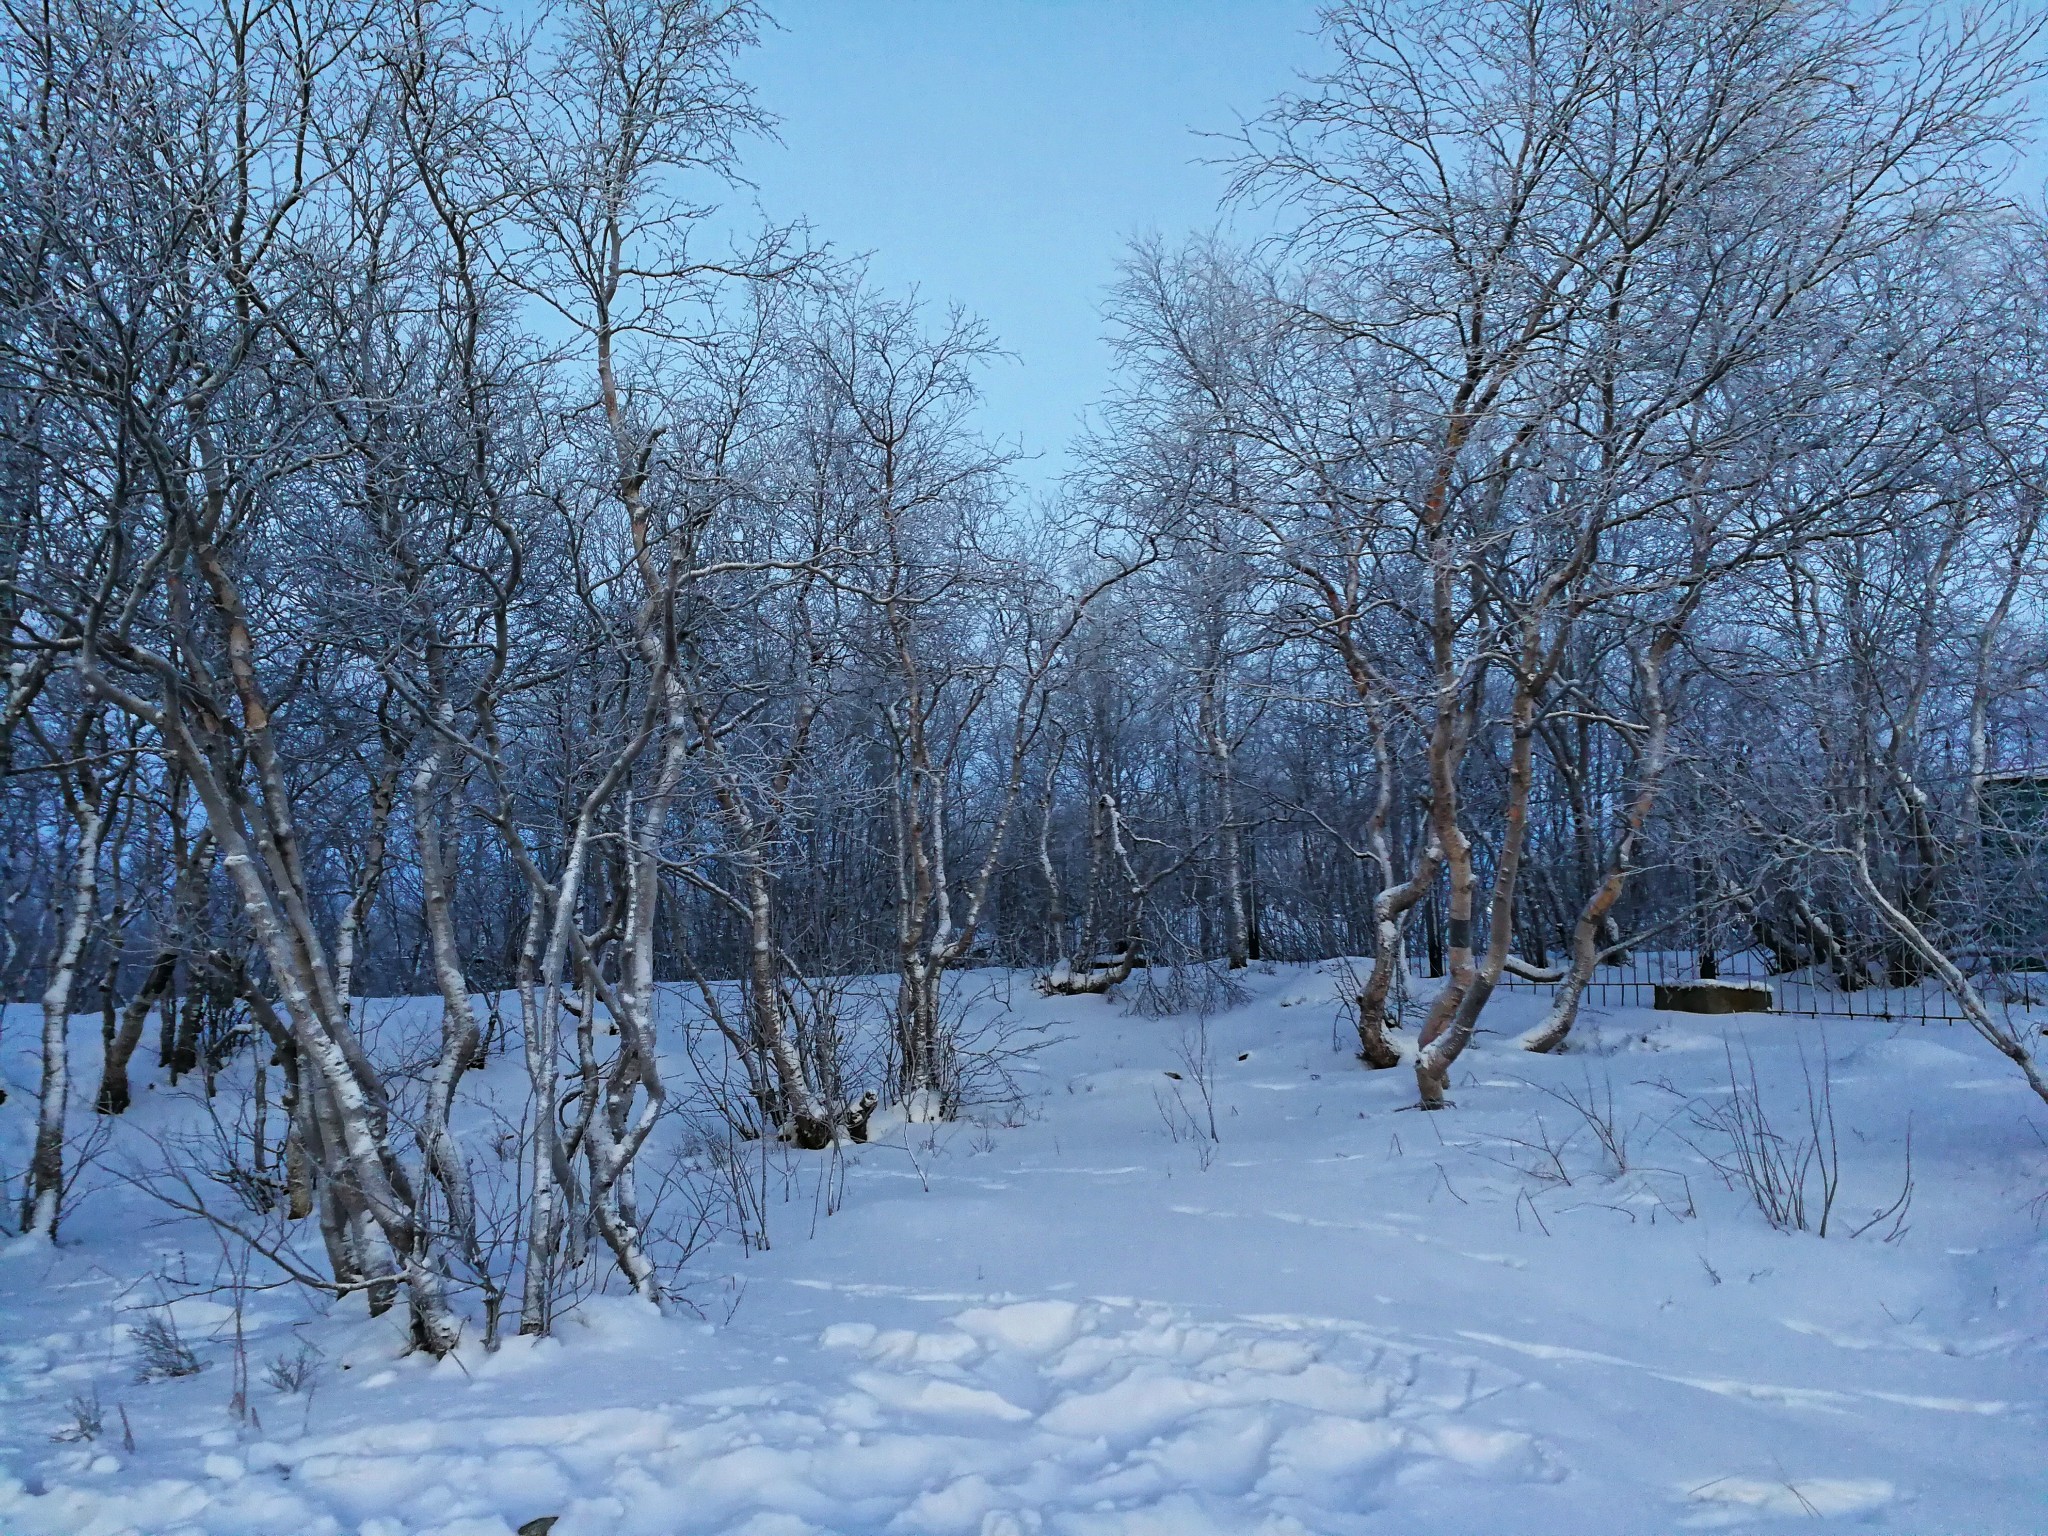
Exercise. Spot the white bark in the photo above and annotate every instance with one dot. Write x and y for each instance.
(46, 1165)
(2007, 1042)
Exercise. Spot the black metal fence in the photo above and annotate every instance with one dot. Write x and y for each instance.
(1632, 980)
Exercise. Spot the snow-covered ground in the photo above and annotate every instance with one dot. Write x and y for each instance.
(1340, 1316)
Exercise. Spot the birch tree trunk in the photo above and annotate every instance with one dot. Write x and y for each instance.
(431, 789)
(1451, 1024)
(1216, 737)
(2006, 1041)
(1387, 982)
(46, 1163)
(756, 820)
(195, 862)
(1449, 734)
(1596, 916)
(1086, 974)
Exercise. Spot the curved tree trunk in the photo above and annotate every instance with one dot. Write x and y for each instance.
(1596, 917)
(1456, 1013)
(195, 865)
(459, 1033)
(113, 1097)
(1388, 980)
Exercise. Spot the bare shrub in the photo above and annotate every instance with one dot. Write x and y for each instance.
(988, 1051)
(1189, 1107)
(293, 1373)
(165, 1354)
(1200, 987)
(1545, 1152)
(88, 1418)
(1594, 1104)
(1791, 1180)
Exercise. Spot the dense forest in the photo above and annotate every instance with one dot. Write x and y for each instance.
(446, 551)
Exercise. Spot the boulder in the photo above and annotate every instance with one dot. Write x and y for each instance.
(1714, 996)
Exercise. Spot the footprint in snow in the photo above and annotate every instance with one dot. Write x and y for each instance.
(1060, 1409)
(1040, 1418)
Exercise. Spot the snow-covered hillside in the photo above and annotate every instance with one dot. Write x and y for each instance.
(1081, 1315)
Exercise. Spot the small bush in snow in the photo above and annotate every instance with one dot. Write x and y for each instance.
(164, 1353)
(293, 1373)
(1198, 987)
(1791, 1179)
(88, 1418)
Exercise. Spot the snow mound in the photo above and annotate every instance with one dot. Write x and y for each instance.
(1039, 1416)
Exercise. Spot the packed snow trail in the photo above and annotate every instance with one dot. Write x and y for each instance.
(1340, 1317)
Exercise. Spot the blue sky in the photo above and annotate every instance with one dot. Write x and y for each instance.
(999, 153)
